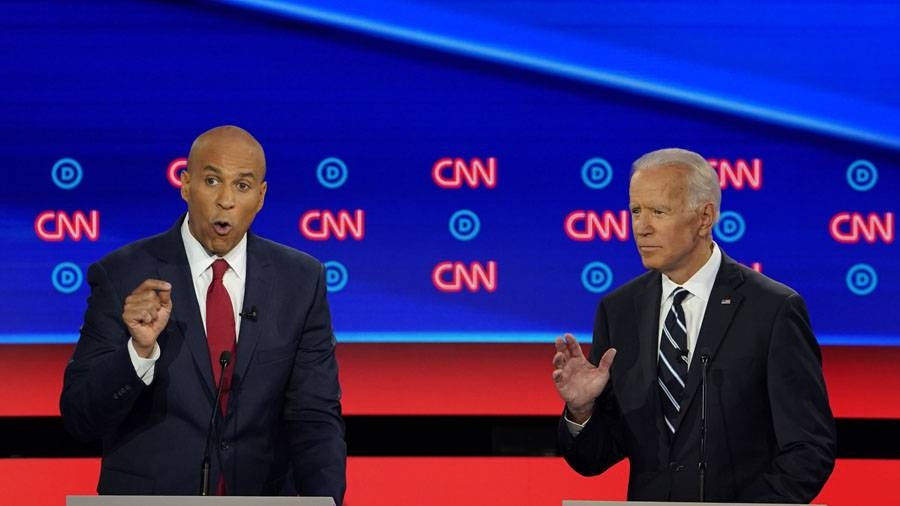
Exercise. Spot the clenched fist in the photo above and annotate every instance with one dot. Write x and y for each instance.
(146, 313)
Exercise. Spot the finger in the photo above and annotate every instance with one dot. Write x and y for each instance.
(607, 359)
(144, 317)
(140, 300)
(153, 285)
(573, 346)
(150, 302)
(557, 375)
(559, 360)
(165, 297)
(142, 313)
(560, 344)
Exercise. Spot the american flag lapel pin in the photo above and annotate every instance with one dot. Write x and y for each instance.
(726, 302)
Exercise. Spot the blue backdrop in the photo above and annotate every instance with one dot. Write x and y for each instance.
(356, 106)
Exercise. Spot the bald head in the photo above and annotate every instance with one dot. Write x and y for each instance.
(224, 187)
(232, 140)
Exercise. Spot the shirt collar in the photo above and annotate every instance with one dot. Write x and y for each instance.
(701, 283)
(200, 260)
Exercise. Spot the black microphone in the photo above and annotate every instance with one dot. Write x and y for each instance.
(224, 360)
(701, 464)
(249, 314)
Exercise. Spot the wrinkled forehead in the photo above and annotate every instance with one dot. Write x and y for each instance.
(661, 183)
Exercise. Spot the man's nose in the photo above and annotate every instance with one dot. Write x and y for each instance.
(640, 225)
(225, 198)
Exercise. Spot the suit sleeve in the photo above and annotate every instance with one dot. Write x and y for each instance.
(600, 444)
(100, 385)
(802, 419)
(313, 406)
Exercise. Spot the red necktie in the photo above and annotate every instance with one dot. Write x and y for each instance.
(220, 328)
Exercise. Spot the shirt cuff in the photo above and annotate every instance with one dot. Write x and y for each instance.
(575, 427)
(144, 367)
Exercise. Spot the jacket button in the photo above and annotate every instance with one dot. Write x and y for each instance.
(225, 444)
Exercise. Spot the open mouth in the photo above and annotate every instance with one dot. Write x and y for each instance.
(222, 227)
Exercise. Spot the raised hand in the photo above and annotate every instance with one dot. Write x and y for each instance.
(578, 381)
(146, 313)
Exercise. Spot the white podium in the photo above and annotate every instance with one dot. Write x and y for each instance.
(190, 500)
(653, 503)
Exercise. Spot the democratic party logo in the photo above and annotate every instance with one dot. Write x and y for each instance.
(596, 173)
(862, 175)
(464, 225)
(66, 173)
(332, 173)
(861, 279)
(67, 277)
(596, 277)
(336, 276)
(730, 227)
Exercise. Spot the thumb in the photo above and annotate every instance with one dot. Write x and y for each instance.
(607, 359)
(165, 298)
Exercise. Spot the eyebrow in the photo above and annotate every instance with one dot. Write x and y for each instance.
(218, 171)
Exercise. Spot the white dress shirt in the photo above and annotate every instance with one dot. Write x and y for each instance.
(200, 262)
(699, 285)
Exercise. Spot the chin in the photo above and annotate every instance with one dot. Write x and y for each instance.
(648, 264)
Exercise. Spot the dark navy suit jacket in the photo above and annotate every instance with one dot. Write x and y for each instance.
(770, 431)
(284, 410)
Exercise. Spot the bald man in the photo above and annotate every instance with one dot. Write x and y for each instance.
(205, 306)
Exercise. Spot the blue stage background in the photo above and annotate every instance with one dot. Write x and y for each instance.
(115, 92)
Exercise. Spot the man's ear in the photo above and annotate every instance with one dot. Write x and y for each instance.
(185, 183)
(262, 195)
(708, 216)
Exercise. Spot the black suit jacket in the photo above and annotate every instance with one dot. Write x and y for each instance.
(284, 409)
(770, 431)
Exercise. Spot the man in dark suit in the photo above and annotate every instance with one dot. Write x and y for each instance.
(770, 435)
(162, 310)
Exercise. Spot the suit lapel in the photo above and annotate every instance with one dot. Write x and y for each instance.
(260, 279)
(647, 303)
(185, 321)
(723, 303)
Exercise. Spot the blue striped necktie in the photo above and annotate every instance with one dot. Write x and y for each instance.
(672, 364)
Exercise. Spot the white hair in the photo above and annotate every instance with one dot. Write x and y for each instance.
(702, 180)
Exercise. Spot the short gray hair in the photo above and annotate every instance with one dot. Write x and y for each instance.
(702, 180)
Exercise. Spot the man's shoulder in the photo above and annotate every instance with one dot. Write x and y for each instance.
(755, 284)
(283, 254)
(142, 250)
(632, 288)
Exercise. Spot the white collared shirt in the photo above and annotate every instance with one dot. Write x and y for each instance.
(699, 285)
(200, 262)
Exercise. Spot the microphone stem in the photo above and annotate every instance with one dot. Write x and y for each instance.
(704, 360)
(224, 359)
